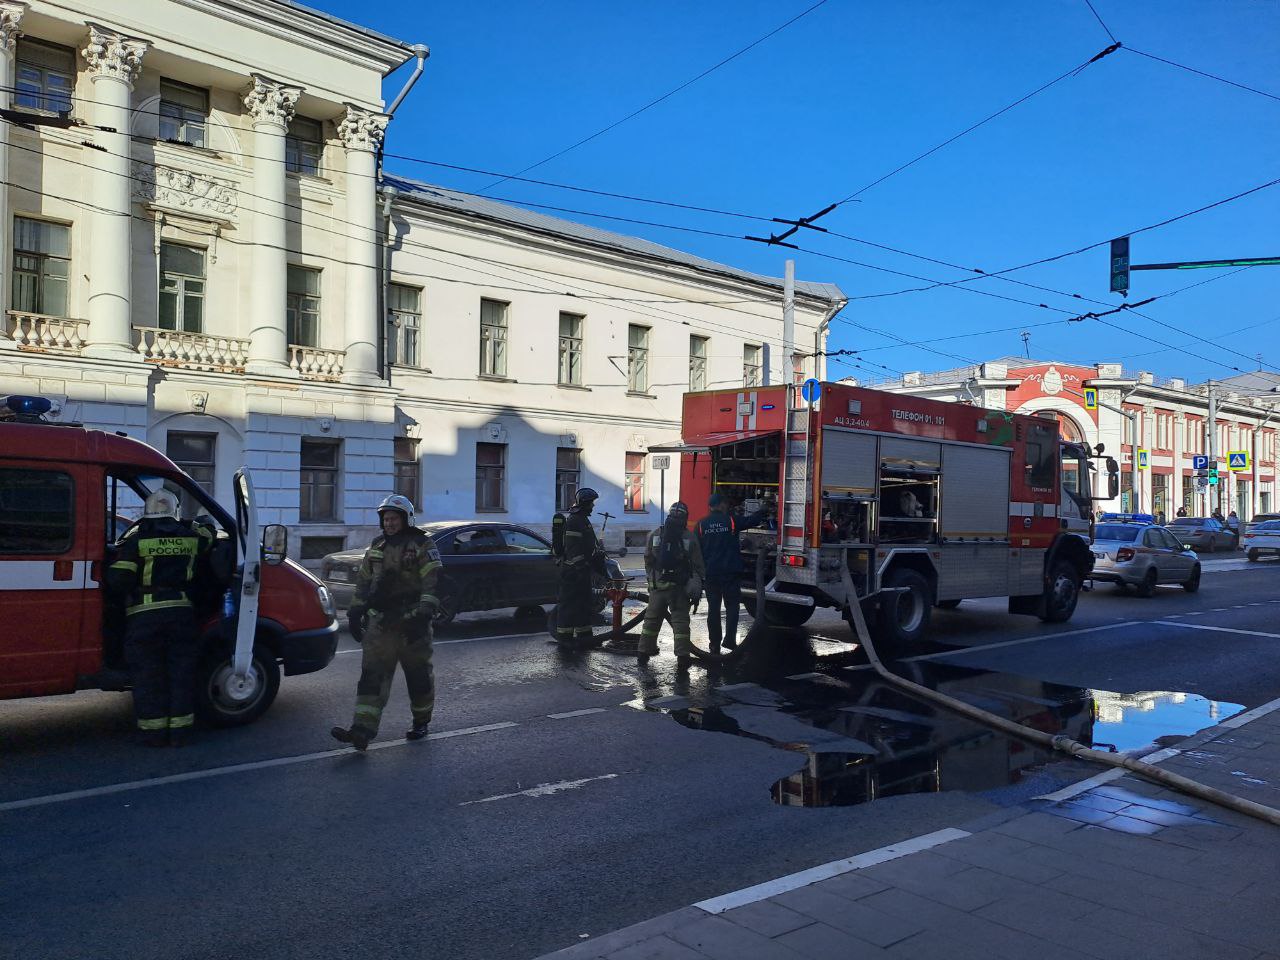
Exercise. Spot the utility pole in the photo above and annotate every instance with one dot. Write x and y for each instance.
(1212, 425)
(789, 324)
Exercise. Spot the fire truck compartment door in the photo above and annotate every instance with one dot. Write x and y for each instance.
(975, 493)
(917, 456)
(848, 462)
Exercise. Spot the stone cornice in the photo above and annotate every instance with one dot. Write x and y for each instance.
(114, 55)
(362, 129)
(11, 15)
(269, 101)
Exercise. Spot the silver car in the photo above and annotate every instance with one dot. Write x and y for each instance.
(1142, 555)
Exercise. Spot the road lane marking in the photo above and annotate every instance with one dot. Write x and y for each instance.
(543, 789)
(234, 768)
(961, 651)
(1209, 626)
(772, 888)
(576, 713)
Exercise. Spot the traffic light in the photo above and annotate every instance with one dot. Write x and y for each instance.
(1120, 265)
(1213, 474)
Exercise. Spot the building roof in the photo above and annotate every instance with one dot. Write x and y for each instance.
(343, 24)
(488, 209)
(1260, 381)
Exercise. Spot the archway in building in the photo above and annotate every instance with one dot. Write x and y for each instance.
(1068, 429)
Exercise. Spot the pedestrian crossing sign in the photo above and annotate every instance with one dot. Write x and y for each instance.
(1090, 398)
(1238, 460)
(1144, 459)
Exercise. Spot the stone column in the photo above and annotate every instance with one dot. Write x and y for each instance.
(10, 20)
(362, 132)
(114, 62)
(270, 106)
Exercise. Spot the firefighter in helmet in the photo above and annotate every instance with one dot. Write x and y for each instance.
(395, 603)
(581, 554)
(157, 565)
(673, 562)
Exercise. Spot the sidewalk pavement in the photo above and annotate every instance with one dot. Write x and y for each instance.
(1113, 868)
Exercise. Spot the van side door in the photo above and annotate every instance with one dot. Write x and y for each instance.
(44, 568)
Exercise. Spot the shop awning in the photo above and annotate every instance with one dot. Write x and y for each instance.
(706, 442)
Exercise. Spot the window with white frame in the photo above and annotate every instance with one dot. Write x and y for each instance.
(698, 362)
(1195, 436)
(752, 364)
(193, 452)
(1164, 431)
(637, 358)
(570, 372)
(491, 476)
(304, 146)
(408, 480)
(302, 307)
(41, 265)
(44, 77)
(568, 476)
(318, 480)
(182, 287)
(493, 338)
(404, 311)
(1269, 446)
(633, 500)
(184, 113)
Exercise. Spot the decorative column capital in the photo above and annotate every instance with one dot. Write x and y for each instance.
(269, 101)
(10, 20)
(111, 54)
(362, 129)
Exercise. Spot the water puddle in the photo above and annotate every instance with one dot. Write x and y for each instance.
(862, 738)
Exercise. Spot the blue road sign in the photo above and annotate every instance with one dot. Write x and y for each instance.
(1238, 460)
(811, 390)
(1199, 463)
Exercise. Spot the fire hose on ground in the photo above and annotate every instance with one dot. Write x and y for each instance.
(1147, 771)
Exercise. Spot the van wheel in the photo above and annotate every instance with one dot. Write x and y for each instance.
(216, 704)
(1062, 593)
(903, 616)
(1147, 588)
(787, 614)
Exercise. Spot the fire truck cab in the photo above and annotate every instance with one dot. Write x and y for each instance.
(898, 502)
(67, 494)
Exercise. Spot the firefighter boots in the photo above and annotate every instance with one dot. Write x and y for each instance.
(356, 736)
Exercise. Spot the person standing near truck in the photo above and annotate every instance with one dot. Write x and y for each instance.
(718, 534)
(391, 615)
(580, 554)
(673, 562)
(156, 567)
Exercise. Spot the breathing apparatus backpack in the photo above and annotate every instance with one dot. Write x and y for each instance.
(557, 535)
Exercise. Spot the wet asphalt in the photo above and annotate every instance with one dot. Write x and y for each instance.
(648, 789)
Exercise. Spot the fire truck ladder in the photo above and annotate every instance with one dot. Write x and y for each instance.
(795, 492)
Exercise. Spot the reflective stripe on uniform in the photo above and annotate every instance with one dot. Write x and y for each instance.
(125, 565)
(157, 723)
(146, 606)
(429, 598)
(186, 720)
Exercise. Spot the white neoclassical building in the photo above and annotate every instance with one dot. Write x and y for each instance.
(200, 253)
(1172, 419)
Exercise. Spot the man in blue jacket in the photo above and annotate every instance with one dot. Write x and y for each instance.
(722, 554)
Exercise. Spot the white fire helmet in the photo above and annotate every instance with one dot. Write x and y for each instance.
(397, 502)
(161, 504)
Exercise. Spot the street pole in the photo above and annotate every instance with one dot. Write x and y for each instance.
(1133, 432)
(1212, 424)
(789, 323)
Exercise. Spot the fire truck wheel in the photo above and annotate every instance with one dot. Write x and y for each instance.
(215, 703)
(1062, 593)
(787, 614)
(904, 616)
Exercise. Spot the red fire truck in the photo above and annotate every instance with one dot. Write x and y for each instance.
(900, 502)
(67, 494)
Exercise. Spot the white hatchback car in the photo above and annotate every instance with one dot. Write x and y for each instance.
(1262, 539)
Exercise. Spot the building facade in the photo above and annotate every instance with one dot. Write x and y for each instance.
(1171, 417)
(199, 253)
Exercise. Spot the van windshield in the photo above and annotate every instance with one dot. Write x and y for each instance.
(128, 492)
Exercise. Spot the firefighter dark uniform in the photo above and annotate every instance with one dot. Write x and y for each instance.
(718, 536)
(155, 569)
(581, 555)
(673, 562)
(391, 614)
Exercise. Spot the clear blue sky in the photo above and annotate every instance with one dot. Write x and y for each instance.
(853, 90)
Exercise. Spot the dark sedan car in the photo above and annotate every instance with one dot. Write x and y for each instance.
(487, 566)
(1203, 533)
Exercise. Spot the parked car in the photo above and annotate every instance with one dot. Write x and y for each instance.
(1204, 533)
(1262, 539)
(1140, 554)
(487, 566)
(1260, 518)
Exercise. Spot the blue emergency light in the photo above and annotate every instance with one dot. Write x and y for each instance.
(1129, 517)
(28, 406)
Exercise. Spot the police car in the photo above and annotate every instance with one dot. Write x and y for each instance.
(1132, 550)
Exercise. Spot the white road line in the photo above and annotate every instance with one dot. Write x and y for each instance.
(576, 713)
(233, 768)
(762, 891)
(1211, 627)
(543, 789)
(961, 651)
